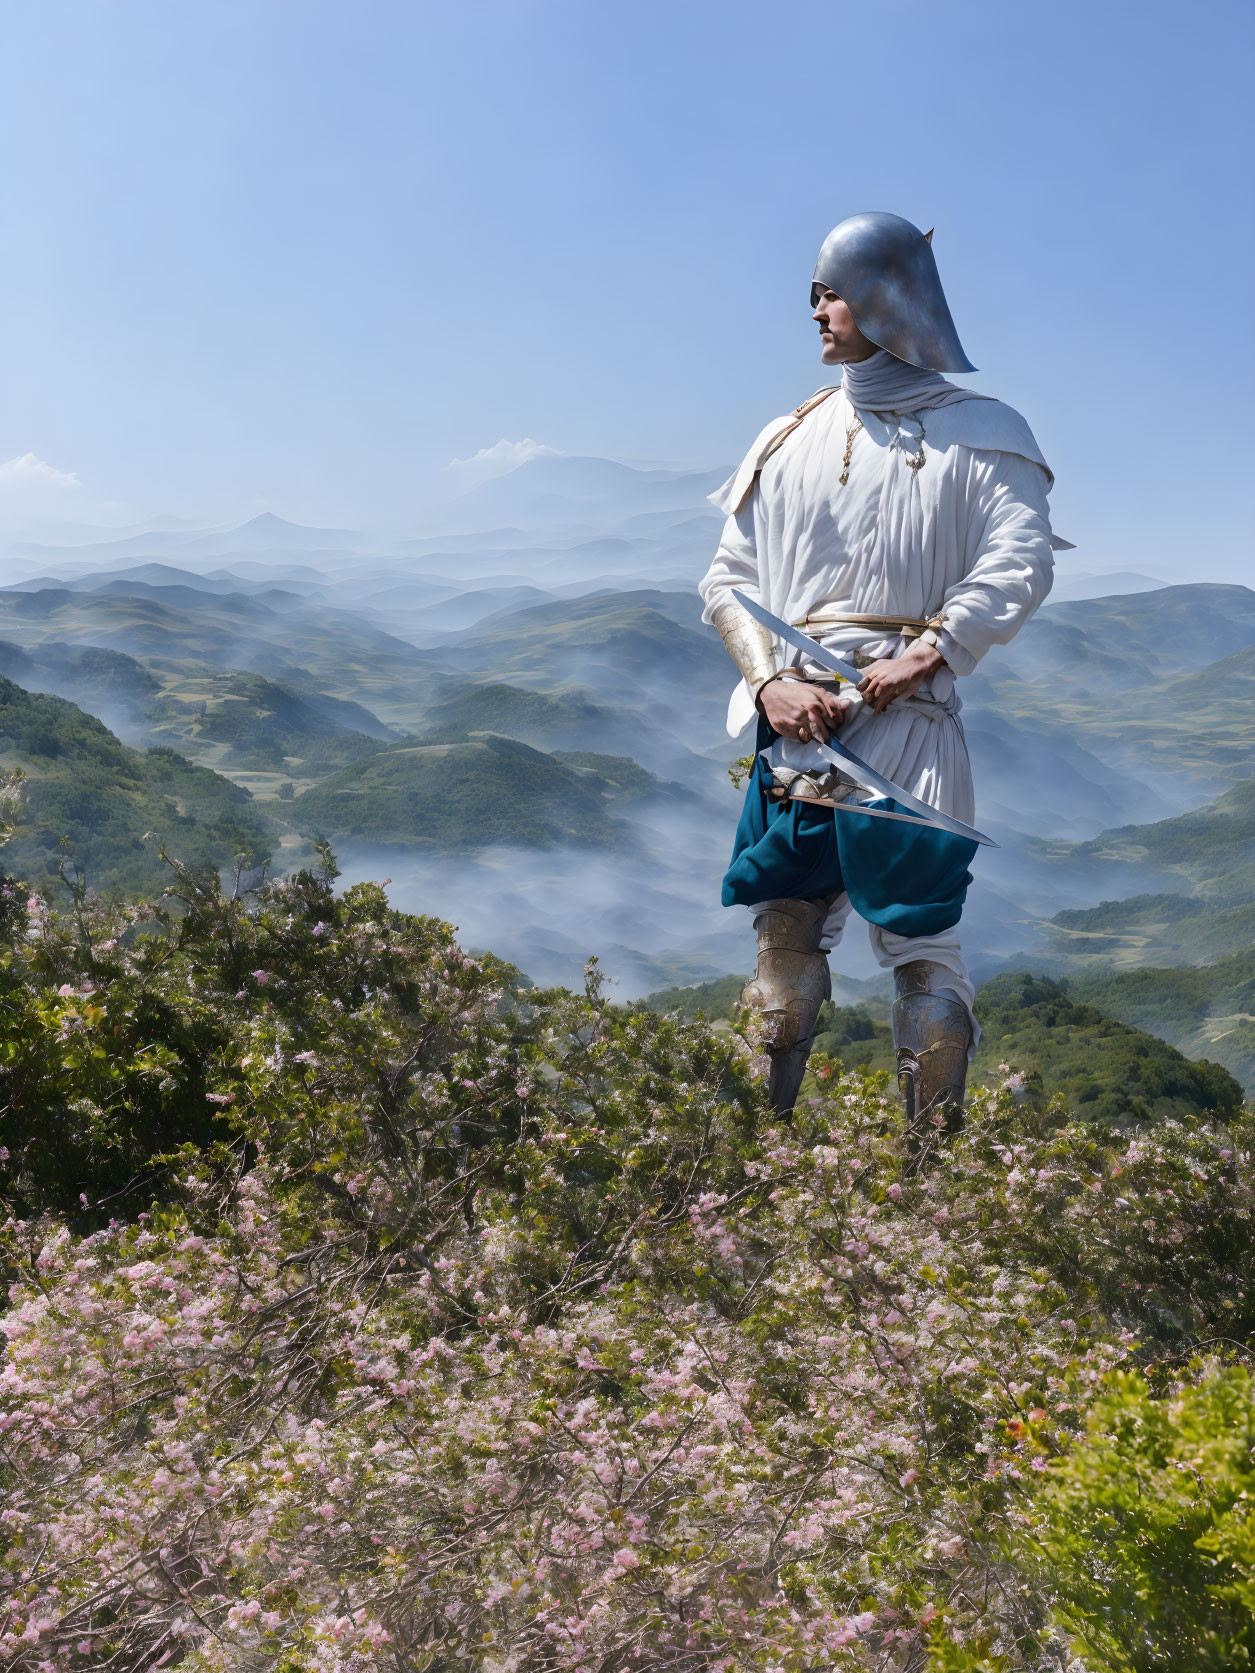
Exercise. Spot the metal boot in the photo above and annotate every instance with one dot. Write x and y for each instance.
(790, 984)
(932, 1033)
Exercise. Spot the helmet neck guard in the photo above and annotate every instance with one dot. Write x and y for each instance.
(884, 270)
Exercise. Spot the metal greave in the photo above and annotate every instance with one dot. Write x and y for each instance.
(790, 984)
(932, 1034)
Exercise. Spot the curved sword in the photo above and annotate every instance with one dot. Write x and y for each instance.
(800, 641)
(838, 755)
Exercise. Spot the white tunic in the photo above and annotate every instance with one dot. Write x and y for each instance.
(966, 537)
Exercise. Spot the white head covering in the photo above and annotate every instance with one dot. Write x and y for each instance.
(883, 383)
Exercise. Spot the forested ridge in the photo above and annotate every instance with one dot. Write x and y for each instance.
(372, 1309)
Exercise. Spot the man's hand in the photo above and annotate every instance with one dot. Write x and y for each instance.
(797, 709)
(899, 676)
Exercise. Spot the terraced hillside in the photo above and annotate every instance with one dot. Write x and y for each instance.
(488, 790)
(100, 810)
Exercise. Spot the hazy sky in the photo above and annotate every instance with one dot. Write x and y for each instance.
(299, 254)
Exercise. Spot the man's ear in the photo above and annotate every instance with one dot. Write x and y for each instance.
(928, 236)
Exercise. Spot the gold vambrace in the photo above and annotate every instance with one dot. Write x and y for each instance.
(749, 643)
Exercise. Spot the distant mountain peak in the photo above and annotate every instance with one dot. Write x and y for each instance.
(267, 523)
(569, 489)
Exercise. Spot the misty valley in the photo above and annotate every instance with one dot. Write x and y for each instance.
(518, 719)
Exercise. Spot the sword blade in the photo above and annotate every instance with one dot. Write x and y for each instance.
(856, 768)
(800, 641)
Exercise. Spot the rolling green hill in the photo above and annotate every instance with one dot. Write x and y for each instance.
(1162, 929)
(1159, 684)
(1112, 1071)
(1108, 644)
(197, 632)
(240, 724)
(1207, 1010)
(1204, 847)
(1206, 911)
(548, 720)
(265, 727)
(91, 801)
(466, 795)
(88, 675)
(1109, 1070)
(616, 643)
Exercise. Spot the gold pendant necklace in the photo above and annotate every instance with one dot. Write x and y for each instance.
(850, 434)
(914, 460)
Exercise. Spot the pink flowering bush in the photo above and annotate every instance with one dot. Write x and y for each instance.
(503, 1330)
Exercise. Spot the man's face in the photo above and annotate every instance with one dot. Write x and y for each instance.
(841, 339)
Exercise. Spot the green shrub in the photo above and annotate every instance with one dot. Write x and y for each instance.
(1146, 1529)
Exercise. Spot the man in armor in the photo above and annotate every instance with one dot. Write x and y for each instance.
(902, 521)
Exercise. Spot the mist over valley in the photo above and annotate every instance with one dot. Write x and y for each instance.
(517, 717)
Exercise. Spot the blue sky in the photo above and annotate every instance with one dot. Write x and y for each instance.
(299, 254)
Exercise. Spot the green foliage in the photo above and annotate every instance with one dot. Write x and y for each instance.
(486, 1274)
(103, 809)
(264, 723)
(1207, 911)
(1105, 1070)
(455, 797)
(852, 1037)
(1203, 1010)
(103, 1070)
(1200, 846)
(717, 1001)
(1146, 1529)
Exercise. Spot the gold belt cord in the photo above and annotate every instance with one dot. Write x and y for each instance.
(910, 627)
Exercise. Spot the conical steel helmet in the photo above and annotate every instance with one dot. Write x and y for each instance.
(884, 270)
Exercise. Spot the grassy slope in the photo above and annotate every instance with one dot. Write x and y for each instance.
(462, 796)
(1199, 847)
(343, 654)
(265, 726)
(1207, 1010)
(623, 642)
(90, 799)
(1205, 909)
(552, 720)
(1155, 683)
(239, 723)
(1108, 1070)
